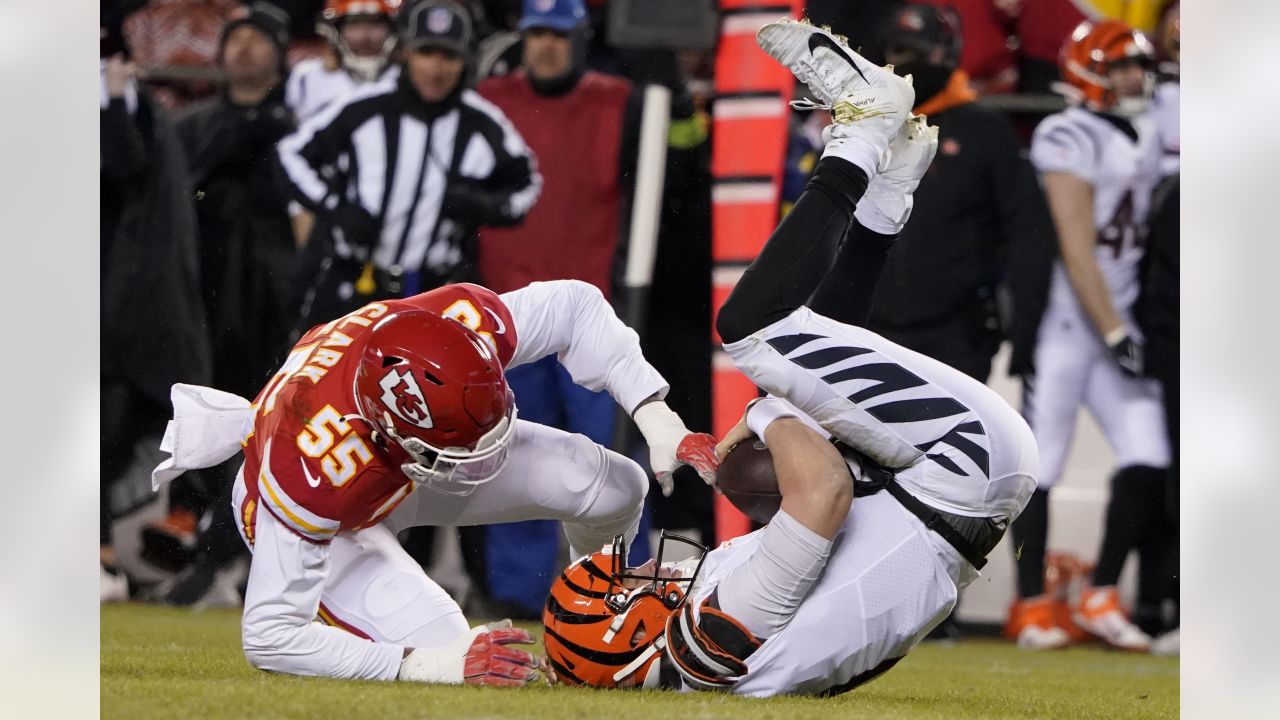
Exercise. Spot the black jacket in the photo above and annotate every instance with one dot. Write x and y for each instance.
(247, 251)
(1158, 305)
(153, 329)
(980, 221)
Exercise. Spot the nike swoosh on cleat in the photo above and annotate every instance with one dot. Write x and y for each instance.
(818, 40)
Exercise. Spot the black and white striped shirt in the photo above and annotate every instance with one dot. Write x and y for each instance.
(390, 153)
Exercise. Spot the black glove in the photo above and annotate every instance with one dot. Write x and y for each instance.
(359, 228)
(467, 203)
(1129, 354)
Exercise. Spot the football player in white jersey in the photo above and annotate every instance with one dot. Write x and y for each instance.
(361, 37)
(897, 473)
(1099, 162)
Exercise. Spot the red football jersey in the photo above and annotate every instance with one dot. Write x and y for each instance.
(310, 467)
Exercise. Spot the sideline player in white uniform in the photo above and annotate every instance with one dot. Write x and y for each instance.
(398, 415)
(898, 474)
(1099, 162)
(361, 37)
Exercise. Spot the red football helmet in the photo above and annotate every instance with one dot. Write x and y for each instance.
(1089, 54)
(605, 624)
(364, 63)
(436, 389)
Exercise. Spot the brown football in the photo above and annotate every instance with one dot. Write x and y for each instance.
(746, 478)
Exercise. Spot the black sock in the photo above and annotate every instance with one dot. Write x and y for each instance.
(847, 292)
(797, 255)
(1030, 535)
(1132, 489)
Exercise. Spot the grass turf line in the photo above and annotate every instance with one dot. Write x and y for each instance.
(168, 663)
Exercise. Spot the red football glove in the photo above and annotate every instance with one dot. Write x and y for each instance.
(491, 660)
(698, 450)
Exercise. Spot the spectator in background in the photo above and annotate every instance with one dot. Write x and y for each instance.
(573, 120)
(400, 175)
(177, 41)
(860, 21)
(1165, 102)
(1157, 313)
(979, 222)
(1042, 26)
(361, 36)
(1099, 163)
(153, 331)
(989, 55)
(246, 252)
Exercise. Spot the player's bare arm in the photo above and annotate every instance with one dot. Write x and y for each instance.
(1071, 203)
(813, 479)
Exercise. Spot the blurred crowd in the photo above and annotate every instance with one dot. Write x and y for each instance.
(268, 166)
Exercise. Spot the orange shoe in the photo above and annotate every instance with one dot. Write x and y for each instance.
(1099, 613)
(1062, 617)
(1033, 626)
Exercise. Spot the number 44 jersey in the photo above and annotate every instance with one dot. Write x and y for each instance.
(1121, 159)
(308, 461)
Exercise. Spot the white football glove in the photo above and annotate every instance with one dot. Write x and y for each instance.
(671, 445)
(887, 203)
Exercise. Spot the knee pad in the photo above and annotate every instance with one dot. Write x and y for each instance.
(615, 507)
(407, 608)
(623, 486)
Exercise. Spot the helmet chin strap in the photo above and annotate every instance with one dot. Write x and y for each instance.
(651, 678)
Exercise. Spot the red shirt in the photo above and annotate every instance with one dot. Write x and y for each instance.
(316, 472)
(986, 54)
(1045, 24)
(572, 231)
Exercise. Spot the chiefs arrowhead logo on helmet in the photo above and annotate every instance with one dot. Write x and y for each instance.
(401, 394)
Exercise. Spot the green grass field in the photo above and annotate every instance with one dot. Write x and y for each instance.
(178, 665)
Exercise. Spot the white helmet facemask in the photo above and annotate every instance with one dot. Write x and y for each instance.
(456, 470)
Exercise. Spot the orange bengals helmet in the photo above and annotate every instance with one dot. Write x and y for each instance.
(365, 65)
(1091, 51)
(605, 623)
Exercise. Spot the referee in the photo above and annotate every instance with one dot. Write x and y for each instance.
(401, 173)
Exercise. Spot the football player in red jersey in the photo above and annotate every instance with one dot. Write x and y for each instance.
(396, 415)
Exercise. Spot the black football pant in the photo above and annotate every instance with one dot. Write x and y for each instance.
(800, 258)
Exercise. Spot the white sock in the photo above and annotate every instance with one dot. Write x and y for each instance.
(857, 151)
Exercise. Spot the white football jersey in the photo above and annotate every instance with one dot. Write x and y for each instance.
(1123, 172)
(888, 582)
(311, 86)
